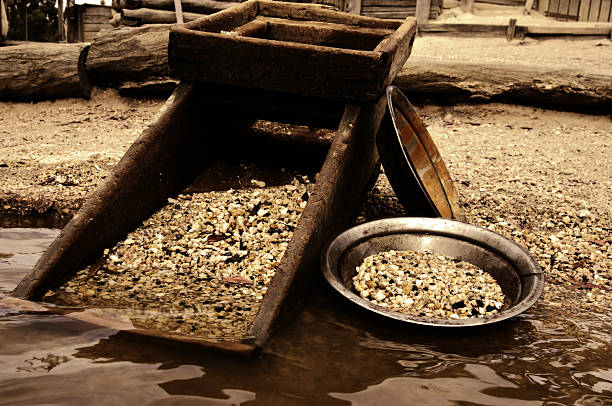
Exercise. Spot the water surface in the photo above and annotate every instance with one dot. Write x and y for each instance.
(329, 353)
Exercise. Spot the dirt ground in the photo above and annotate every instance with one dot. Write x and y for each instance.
(541, 177)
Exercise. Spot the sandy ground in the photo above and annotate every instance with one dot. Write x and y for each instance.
(538, 176)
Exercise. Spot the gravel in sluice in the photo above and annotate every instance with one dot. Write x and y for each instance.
(427, 285)
(199, 266)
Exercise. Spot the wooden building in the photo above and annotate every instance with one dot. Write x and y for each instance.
(578, 10)
(86, 20)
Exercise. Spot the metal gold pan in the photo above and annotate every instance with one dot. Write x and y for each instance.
(413, 164)
(517, 273)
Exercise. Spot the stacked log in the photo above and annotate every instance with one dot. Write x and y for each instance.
(140, 12)
(397, 8)
(43, 71)
(128, 54)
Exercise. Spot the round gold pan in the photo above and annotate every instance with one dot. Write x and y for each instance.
(413, 164)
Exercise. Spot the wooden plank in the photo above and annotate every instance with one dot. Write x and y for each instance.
(606, 12)
(347, 169)
(602, 29)
(60, 20)
(378, 32)
(97, 10)
(143, 16)
(397, 3)
(311, 12)
(96, 19)
(397, 14)
(194, 6)
(95, 28)
(487, 29)
(467, 6)
(411, 10)
(528, 6)
(303, 55)
(511, 29)
(511, 3)
(422, 11)
(325, 34)
(350, 74)
(353, 7)
(227, 19)
(178, 9)
(255, 28)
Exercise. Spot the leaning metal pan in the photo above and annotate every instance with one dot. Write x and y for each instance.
(413, 163)
(518, 274)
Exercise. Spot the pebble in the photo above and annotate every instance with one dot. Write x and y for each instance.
(427, 285)
(199, 266)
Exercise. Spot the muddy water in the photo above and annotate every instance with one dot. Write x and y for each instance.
(330, 353)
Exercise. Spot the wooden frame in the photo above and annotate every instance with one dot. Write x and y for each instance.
(183, 141)
(166, 158)
(296, 48)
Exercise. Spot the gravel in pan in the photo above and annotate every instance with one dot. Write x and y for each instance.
(199, 266)
(427, 285)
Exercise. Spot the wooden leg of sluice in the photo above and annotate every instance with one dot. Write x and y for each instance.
(161, 162)
(341, 181)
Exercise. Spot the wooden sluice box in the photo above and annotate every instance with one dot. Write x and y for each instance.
(284, 62)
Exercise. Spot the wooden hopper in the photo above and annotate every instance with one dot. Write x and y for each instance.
(181, 143)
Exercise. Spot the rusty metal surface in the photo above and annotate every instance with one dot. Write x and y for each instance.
(413, 163)
(517, 273)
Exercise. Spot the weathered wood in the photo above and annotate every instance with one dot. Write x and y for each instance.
(398, 15)
(512, 3)
(3, 22)
(532, 85)
(595, 29)
(255, 28)
(346, 171)
(42, 71)
(149, 88)
(140, 184)
(528, 6)
(397, 3)
(195, 6)
(511, 29)
(96, 18)
(325, 34)
(296, 55)
(353, 7)
(178, 9)
(422, 11)
(129, 54)
(467, 6)
(60, 19)
(313, 12)
(144, 16)
(164, 159)
(493, 30)
(396, 9)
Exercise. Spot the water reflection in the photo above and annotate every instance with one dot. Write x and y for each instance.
(330, 353)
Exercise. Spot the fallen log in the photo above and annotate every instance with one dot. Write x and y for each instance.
(142, 16)
(195, 6)
(129, 55)
(140, 55)
(454, 82)
(43, 71)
